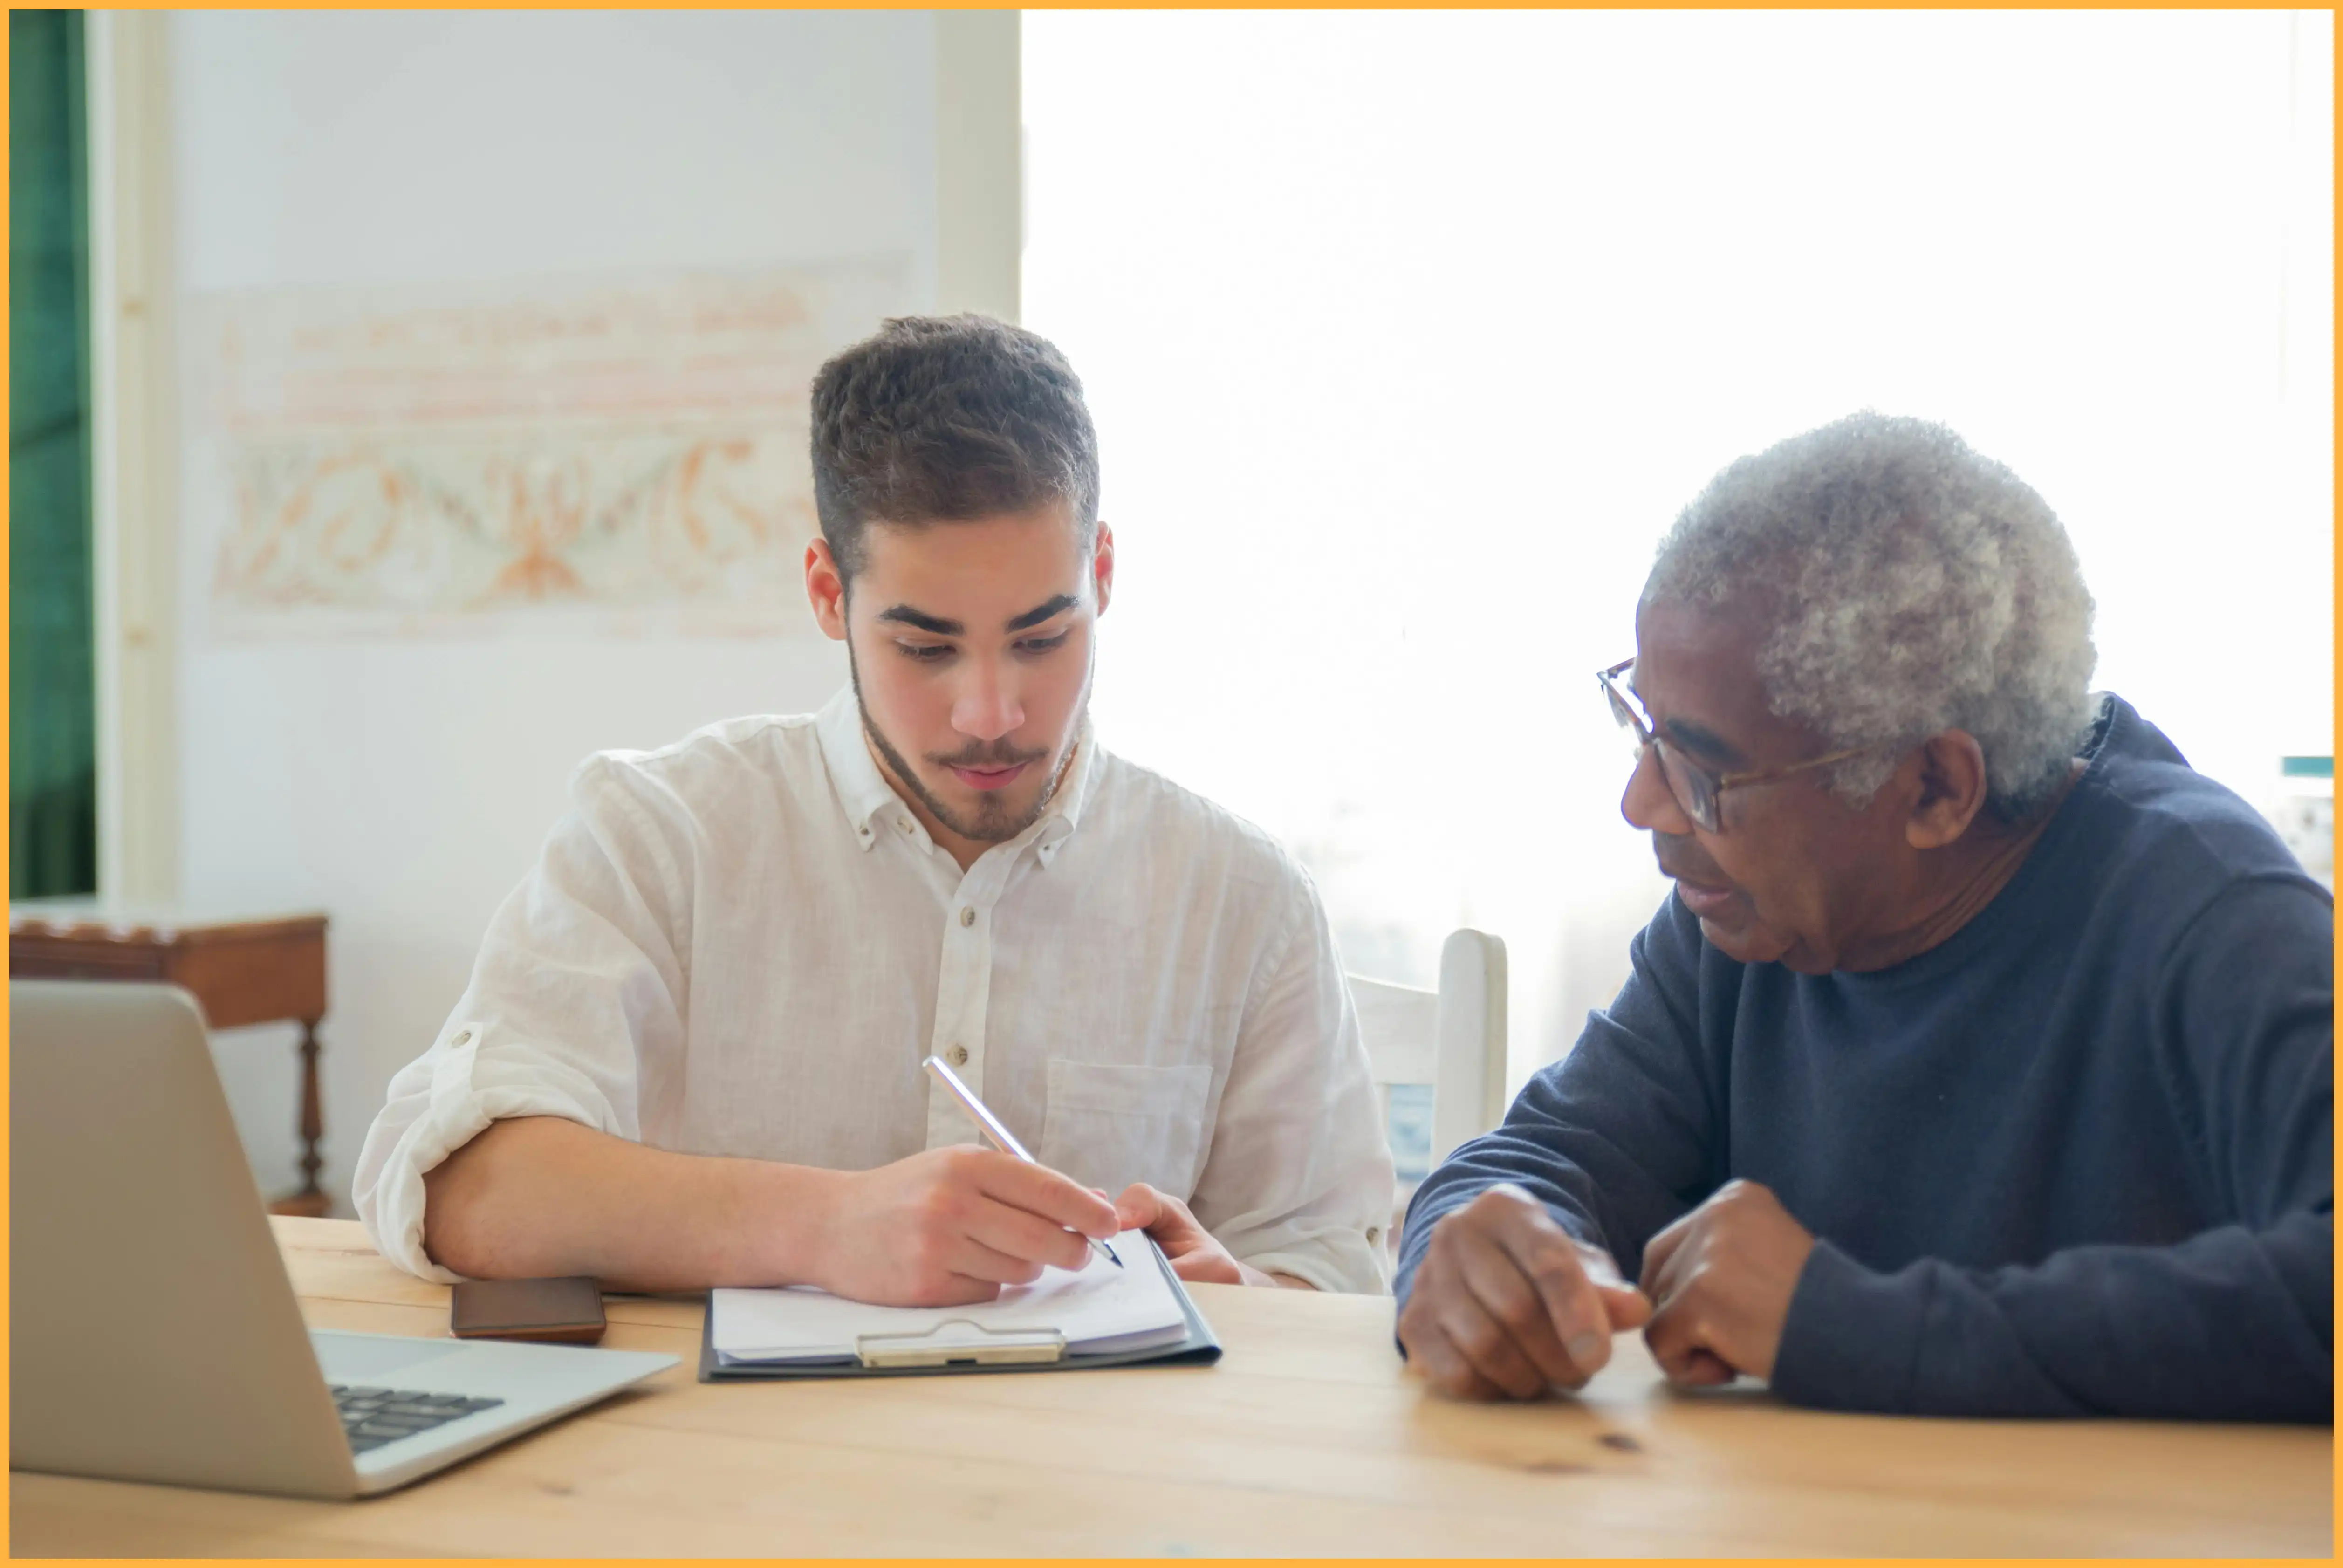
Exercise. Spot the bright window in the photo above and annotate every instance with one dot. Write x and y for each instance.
(1407, 335)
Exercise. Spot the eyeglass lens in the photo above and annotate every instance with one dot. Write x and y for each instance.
(1692, 788)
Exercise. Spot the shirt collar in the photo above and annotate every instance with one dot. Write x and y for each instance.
(1064, 812)
(863, 791)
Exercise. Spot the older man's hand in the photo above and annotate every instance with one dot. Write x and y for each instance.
(1721, 1280)
(1507, 1304)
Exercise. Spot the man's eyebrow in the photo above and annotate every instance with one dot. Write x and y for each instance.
(1039, 613)
(905, 614)
(1701, 741)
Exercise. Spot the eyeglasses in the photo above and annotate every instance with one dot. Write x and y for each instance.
(1696, 789)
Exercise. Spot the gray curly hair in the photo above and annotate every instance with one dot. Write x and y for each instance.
(1914, 587)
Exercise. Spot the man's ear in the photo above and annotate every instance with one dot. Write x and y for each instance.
(826, 589)
(1952, 790)
(1102, 566)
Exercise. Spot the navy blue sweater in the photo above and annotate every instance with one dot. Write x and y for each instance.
(2076, 1160)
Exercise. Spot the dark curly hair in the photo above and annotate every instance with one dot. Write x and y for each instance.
(946, 419)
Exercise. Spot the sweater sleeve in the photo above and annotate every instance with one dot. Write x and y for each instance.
(1619, 1137)
(2233, 1324)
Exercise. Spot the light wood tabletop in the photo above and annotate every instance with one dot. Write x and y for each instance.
(1307, 1439)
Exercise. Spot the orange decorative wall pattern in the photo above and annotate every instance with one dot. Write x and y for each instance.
(623, 455)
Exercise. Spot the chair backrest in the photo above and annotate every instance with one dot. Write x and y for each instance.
(1447, 1046)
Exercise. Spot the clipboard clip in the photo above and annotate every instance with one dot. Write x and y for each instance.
(961, 1342)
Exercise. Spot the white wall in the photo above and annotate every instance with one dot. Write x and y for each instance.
(403, 786)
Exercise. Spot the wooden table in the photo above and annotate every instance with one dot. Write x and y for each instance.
(1307, 1439)
(241, 971)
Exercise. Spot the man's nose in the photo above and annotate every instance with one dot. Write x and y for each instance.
(988, 706)
(1649, 804)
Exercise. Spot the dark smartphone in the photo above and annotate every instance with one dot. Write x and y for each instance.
(563, 1311)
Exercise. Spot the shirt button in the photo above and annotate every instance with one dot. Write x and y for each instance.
(465, 1038)
(1375, 1234)
(957, 1056)
(904, 823)
(968, 917)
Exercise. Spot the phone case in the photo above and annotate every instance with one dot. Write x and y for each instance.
(560, 1311)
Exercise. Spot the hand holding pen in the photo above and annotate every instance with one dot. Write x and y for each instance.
(992, 1129)
(949, 1227)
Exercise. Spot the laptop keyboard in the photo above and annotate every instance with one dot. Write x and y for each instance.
(373, 1416)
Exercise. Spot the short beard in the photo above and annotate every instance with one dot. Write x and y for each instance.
(992, 823)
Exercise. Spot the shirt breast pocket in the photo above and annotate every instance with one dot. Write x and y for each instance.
(1109, 1125)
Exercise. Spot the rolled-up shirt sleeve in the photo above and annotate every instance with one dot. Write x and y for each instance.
(577, 984)
(1299, 1179)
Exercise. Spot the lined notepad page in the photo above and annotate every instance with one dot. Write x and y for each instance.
(1097, 1307)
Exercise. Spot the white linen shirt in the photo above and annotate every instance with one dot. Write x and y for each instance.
(744, 944)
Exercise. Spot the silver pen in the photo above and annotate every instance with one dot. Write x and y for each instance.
(1003, 1138)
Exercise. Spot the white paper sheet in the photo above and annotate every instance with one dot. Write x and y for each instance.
(1097, 1307)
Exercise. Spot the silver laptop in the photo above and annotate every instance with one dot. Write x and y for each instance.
(154, 1333)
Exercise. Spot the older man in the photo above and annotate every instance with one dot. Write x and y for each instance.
(1982, 1061)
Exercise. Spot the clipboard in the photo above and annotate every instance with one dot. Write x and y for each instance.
(958, 1345)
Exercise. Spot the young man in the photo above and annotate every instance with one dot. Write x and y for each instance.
(689, 1053)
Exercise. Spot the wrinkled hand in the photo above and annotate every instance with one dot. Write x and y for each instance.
(1191, 1249)
(952, 1226)
(1722, 1278)
(1507, 1304)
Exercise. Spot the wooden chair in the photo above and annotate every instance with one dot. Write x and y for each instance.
(1439, 1057)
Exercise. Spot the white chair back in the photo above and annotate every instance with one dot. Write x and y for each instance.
(1450, 1041)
